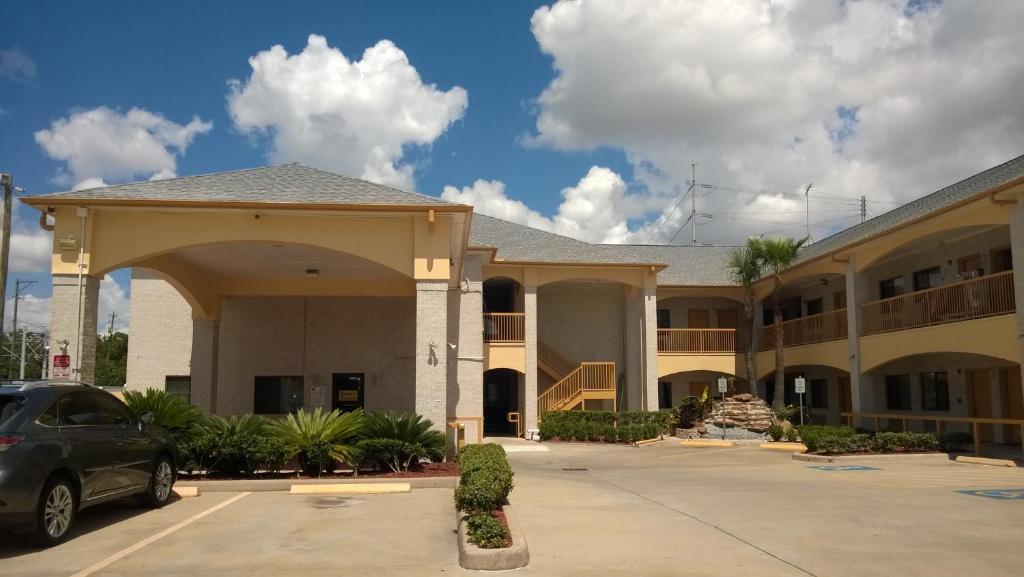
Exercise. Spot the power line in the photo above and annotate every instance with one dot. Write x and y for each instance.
(669, 216)
(791, 225)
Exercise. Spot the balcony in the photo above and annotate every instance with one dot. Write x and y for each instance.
(696, 340)
(977, 298)
(504, 327)
(820, 328)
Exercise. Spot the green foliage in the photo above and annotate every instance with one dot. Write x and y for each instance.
(170, 412)
(411, 429)
(485, 478)
(774, 254)
(845, 440)
(394, 454)
(608, 426)
(318, 438)
(955, 440)
(486, 532)
(231, 446)
(111, 360)
(786, 412)
(791, 434)
(691, 410)
(743, 265)
(811, 434)
(775, 432)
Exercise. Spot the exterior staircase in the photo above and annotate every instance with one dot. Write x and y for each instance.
(575, 382)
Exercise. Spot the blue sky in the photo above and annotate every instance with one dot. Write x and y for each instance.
(580, 117)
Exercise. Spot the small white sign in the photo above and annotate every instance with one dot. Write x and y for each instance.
(723, 385)
(801, 385)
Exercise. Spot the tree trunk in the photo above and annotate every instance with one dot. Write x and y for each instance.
(780, 370)
(751, 355)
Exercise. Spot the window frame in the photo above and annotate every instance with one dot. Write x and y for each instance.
(929, 378)
(927, 273)
(905, 393)
(896, 285)
(283, 407)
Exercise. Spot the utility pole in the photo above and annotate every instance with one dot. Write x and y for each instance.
(21, 370)
(18, 285)
(863, 208)
(693, 206)
(110, 329)
(7, 183)
(807, 203)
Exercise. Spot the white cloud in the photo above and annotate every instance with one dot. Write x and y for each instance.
(102, 144)
(351, 116)
(17, 66)
(113, 298)
(885, 98)
(33, 313)
(595, 210)
(30, 250)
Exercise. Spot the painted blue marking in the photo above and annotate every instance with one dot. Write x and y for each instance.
(844, 468)
(1001, 494)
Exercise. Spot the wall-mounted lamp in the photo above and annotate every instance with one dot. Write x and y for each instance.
(312, 273)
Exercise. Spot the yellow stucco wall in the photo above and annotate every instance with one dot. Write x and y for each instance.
(833, 354)
(671, 363)
(505, 356)
(992, 336)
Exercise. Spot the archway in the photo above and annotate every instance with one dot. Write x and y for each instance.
(503, 394)
(827, 391)
(672, 389)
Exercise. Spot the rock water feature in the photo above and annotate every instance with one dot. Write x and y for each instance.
(741, 417)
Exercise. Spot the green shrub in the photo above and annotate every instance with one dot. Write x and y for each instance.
(226, 446)
(485, 478)
(786, 412)
(955, 440)
(691, 410)
(835, 445)
(411, 429)
(609, 426)
(791, 434)
(810, 434)
(319, 438)
(169, 412)
(392, 453)
(904, 442)
(775, 432)
(486, 532)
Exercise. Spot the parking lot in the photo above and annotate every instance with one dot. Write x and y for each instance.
(587, 509)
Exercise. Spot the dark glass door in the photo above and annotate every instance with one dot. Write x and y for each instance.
(348, 391)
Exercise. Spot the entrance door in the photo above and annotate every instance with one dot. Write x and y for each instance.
(501, 396)
(348, 391)
(698, 318)
(979, 395)
(845, 395)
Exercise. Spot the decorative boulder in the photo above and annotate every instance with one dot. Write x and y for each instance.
(742, 412)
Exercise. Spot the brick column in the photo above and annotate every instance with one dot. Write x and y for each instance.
(650, 346)
(468, 393)
(64, 316)
(862, 389)
(641, 358)
(203, 364)
(530, 342)
(432, 351)
(1017, 250)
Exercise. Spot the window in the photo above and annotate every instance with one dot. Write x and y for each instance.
(9, 406)
(815, 307)
(180, 386)
(277, 395)
(1002, 260)
(664, 395)
(664, 319)
(897, 392)
(49, 416)
(935, 391)
(110, 411)
(890, 287)
(819, 394)
(927, 278)
(76, 409)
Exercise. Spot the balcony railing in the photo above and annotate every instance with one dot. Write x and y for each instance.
(820, 328)
(696, 340)
(971, 299)
(504, 327)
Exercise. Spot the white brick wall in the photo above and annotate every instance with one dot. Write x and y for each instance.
(160, 332)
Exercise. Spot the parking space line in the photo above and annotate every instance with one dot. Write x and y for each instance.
(129, 550)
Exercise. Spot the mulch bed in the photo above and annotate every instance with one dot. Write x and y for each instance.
(500, 516)
(425, 470)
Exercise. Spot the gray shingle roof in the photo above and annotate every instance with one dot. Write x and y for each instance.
(935, 201)
(516, 242)
(687, 265)
(288, 183)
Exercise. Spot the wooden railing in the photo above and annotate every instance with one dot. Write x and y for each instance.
(504, 327)
(554, 360)
(820, 328)
(975, 422)
(696, 340)
(585, 377)
(971, 299)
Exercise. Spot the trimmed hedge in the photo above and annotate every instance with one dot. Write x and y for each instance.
(606, 426)
(485, 480)
(486, 532)
(830, 440)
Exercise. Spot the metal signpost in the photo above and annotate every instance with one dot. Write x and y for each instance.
(723, 385)
(801, 388)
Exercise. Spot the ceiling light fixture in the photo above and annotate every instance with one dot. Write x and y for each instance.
(312, 273)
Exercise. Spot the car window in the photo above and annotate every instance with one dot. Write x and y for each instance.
(109, 411)
(49, 416)
(9, 406)
(75, 409)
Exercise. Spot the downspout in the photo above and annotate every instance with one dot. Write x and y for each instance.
(82, 213)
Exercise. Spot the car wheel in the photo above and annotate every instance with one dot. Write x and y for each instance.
(160, 483)
(55, 512)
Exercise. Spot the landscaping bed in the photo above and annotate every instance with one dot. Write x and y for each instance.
(842, 440)
(604, 426)
(414, 472)
(489, 539)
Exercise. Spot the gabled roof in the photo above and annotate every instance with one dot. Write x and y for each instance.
(519, 243)
(687, 265)
(285, 184)
(946, 197)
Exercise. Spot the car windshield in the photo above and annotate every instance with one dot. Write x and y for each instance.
(10, 404)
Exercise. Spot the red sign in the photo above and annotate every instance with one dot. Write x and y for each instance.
(61, 366)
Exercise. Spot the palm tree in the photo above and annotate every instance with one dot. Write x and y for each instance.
(745, 269)
(774, 255)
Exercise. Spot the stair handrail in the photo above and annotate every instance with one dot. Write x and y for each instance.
(551, 357)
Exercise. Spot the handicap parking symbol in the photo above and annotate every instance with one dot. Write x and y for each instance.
(844, 468)
(1001, 494)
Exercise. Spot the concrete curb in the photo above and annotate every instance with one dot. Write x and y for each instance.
(189, 491)
(257, 485)
(985, 461)
(702, 443)
(848, 458)
(780, 446)
(514, 557)
(351, 489)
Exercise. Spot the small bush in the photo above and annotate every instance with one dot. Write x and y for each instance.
(608, 426)
(834, 445)
(414, 430)
(955, 440)
(486, 532)
(485, 478)
(842, 440)
(776, 432)
(810, 434)
(318, 438)
(786, 412)
(791, 434)
(691, 410)
(169, 412)
(392, 453)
